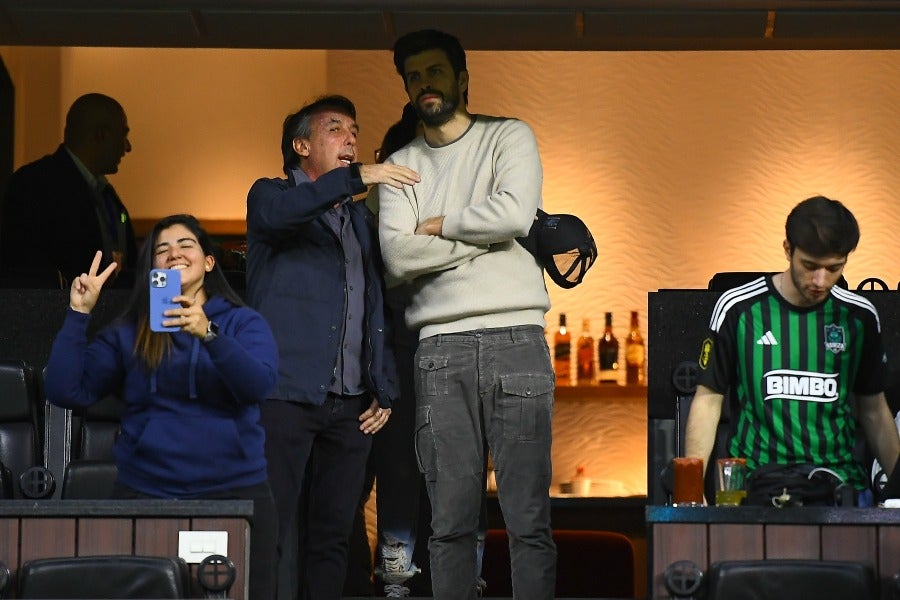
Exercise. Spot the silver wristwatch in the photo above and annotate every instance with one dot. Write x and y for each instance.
(212, 330)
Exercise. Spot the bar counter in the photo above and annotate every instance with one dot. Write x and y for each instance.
(704, 535)
(127, 508)
(803, 515)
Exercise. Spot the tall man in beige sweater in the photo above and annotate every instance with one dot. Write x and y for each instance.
(483, 371)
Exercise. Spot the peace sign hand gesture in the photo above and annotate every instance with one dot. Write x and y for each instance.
(86, 287)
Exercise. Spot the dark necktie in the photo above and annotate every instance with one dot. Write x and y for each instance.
(111, 205)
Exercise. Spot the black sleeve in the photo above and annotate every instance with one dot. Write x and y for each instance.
(716, 358)
(872, 375)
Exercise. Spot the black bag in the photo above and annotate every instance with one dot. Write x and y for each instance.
(563, 245)
(796, 485)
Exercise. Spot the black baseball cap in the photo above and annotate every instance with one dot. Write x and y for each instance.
(563, 245)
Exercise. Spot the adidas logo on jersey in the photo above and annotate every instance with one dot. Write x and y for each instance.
(768, 339)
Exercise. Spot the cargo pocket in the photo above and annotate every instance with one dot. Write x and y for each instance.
(445, 449)
(432, 375)
(526, 406)
(424, 441)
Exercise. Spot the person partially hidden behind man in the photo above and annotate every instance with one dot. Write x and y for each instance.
(59, 210)
(804, 358)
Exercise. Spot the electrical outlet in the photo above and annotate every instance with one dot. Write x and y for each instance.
(194, 546)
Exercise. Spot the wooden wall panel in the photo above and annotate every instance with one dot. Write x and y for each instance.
(238, 549)
(850, 542)
(793, 541)
(860, 535)
(9, 542)
(43, 538)
(888, 557)
(97, 537)
(158, 537)
(736, 542)
(674, 542)
(57, 530)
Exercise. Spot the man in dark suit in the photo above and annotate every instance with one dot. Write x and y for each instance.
(59, 210)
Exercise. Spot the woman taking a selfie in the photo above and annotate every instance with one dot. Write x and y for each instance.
(190, 423)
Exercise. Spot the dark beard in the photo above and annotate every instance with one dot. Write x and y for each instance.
(441, 115)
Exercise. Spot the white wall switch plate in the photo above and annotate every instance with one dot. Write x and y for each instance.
(194, 546)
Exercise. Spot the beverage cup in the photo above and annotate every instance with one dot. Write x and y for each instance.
(688, 481)
(731, 481)
(581, 486)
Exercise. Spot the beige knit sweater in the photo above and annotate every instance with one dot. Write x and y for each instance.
(487, 185)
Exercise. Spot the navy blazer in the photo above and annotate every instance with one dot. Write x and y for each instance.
(296, 280)
(49, 220)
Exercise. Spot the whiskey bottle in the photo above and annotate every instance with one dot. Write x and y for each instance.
(634, 353)
(585, 368)
(562, 353)
(608, 354)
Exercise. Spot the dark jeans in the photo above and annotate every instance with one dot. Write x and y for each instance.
(317, 459)
(263, 531)
(359, 556)
(493, 386)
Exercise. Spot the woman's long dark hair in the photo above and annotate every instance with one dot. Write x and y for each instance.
(151, 346)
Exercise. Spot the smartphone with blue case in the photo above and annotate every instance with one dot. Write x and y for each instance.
(165, 284)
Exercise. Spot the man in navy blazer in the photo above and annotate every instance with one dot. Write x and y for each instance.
(314, 271)
(60, 209)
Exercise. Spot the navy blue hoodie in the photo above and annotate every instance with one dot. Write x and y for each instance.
(189, 428)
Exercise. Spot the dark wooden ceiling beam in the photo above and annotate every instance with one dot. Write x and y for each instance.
(497, 25)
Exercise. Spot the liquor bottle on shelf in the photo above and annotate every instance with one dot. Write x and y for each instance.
(562, 353)
(585, 368)
(634, 353)
(608, 353)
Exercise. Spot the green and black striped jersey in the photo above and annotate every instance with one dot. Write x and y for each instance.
(793, 370)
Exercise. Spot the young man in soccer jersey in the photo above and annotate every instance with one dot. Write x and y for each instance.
(803, 357)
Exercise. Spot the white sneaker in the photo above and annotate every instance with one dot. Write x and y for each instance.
(395, 590)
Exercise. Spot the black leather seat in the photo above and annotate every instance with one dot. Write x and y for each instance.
(89, 480)
(105, 577)
(95, 429)
(791, 578)
(19, 440)
(119, 576)
(730, 279)
(91, 471)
